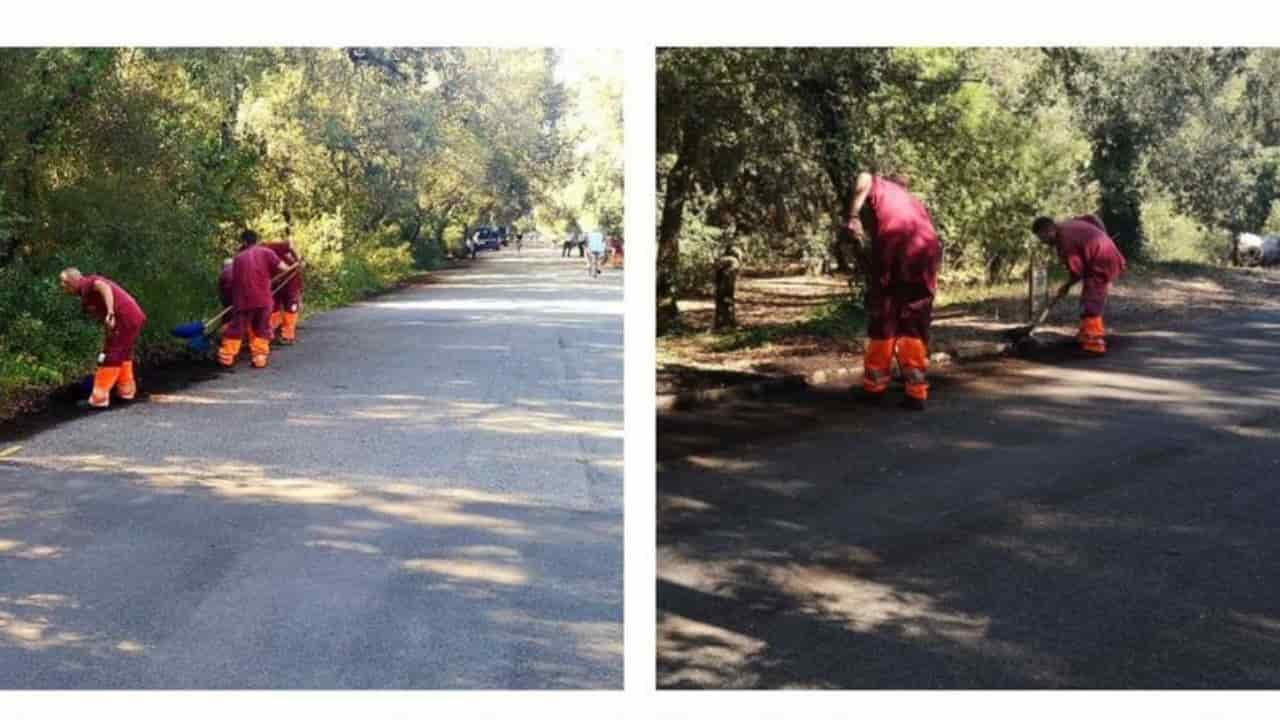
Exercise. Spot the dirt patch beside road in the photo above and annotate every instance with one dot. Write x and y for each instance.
(792, 325)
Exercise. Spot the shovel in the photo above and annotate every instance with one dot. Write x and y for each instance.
(1018, 334)
(196, 333)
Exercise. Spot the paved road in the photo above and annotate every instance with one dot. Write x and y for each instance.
(1057, 522)
(426, 492)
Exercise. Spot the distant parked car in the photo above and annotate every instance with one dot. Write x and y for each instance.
(488, 238)
(1259, 250)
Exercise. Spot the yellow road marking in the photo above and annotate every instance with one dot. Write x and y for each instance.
(11, 450)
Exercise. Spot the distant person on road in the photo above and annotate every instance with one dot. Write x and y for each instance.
(903, 279)
(287, 300)
(595, 252)
(1091, 256)
(519, 242)
(251, 273)
(569, 241)
(473, 243)
(615, 251)
(122, 320)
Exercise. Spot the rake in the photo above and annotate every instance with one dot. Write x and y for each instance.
(196, 332)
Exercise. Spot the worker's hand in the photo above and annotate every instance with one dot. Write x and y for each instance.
(855, 229)
(110, 321)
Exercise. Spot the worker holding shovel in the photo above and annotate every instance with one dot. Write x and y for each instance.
(902, 269)
(251, 272)
(122, 318)
(1091, 257)
(288, 298)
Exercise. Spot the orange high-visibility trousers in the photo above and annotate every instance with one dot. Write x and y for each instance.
(255, 325)
(1092, 335)
(127, 385)
(103, 380)
(289, 327)
(913, 359)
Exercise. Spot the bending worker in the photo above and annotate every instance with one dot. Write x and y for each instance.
(902, 268)
(122, 319)
(288, 299)
(1089, 254)
(251, 272)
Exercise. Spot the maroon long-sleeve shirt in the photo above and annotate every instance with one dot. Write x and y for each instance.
(128, 313)
(251, 274)
(1087, 251)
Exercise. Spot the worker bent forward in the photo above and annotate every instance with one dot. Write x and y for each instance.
(1091, 257)
(902, 268)
(122, 318)
(251, 271)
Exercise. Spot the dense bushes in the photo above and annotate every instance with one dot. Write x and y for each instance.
(144, 165)
(1177, 148)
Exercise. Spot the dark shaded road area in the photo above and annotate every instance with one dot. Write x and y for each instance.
(1050, 522)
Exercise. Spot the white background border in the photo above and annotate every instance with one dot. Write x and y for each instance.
(637, 28)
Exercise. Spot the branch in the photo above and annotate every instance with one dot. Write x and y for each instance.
(371, 56)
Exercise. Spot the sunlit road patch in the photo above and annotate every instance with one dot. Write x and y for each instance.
(425, 492)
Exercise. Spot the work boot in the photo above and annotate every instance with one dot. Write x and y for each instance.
(1092, 336)
(127, 386)
(228, 351)
(104, 380)
(289, 328)
(259, 349)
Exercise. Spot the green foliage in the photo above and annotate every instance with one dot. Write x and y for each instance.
(144, 165)
(1174, 237)
(1176, 148)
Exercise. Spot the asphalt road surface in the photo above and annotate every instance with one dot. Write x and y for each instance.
(1054, 522)
(425, 492)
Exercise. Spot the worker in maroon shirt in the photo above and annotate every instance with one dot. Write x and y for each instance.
(903, 279)
(288, 299)
(122, 319)
(1091, 256)
(251, 273)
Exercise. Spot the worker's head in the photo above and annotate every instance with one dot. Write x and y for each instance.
(248, 237)
(1045, 229)
(70, 279)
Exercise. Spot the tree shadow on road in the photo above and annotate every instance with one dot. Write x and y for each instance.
(370, 584)
(809, 542)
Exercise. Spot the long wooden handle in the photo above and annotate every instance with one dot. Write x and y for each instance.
(276, 283)
(1044, 314)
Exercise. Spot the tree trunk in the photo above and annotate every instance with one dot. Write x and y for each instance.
(727, 267)
(679, 183)
(1116, 158)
